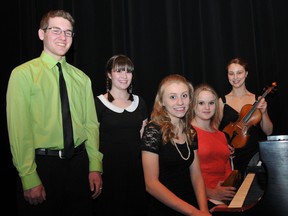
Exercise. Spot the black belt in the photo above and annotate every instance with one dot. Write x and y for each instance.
(58, 153)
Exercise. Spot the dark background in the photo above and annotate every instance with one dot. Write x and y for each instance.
(194, 38)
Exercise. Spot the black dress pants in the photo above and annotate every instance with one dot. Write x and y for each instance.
(66, 184)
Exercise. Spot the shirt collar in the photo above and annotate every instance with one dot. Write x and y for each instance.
(50, 61)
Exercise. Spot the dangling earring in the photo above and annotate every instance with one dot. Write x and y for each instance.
(108, 84)
(130, 88)
(130, 92)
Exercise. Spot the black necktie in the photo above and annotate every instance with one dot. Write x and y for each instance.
(66, 117)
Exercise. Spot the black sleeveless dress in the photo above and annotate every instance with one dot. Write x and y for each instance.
(242, 155)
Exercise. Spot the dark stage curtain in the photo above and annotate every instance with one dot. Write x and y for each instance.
(194, 38)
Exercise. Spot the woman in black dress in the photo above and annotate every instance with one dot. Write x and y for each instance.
(169, 153)
(122, 116)
(230, 108)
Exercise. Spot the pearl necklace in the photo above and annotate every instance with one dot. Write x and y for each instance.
(180, 151)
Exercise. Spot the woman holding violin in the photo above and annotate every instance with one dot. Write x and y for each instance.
(234, 106)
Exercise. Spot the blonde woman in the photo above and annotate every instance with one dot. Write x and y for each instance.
(169, 153)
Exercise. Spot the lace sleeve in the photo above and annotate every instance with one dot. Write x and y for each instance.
(152, 138)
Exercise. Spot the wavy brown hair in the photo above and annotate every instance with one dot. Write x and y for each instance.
(159, 113)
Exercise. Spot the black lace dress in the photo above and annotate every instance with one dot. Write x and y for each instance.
(173, 169)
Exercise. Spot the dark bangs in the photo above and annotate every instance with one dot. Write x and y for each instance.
(122, 62)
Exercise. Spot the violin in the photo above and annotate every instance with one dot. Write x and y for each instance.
(250, 115)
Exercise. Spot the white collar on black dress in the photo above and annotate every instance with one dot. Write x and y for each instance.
(133, 106)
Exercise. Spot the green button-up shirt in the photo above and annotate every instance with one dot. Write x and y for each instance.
(34, 114)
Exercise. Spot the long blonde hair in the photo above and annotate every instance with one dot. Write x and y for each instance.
(159, 114)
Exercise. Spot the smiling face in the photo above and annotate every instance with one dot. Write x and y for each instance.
(205, 106)
(56, 45)
(121, 77)
(236, 75)
(176, 100)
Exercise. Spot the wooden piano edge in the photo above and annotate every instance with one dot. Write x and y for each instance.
(224, 208)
